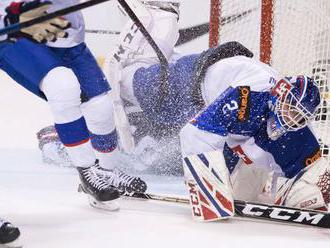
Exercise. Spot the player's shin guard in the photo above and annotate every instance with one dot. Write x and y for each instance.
(309, 189)
(210, 190)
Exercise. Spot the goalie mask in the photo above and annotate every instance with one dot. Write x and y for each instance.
(294, 103)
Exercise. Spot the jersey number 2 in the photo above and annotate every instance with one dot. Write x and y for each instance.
(230, 106)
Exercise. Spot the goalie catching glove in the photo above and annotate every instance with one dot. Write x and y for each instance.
(18, 12)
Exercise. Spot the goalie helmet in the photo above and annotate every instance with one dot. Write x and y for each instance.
(295, 101)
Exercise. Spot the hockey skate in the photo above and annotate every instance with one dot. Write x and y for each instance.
(102, 194)
(8, 234)
(125, 183)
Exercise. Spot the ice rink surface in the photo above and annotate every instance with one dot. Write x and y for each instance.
(43, 200)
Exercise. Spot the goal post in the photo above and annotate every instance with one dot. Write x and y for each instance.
(214, 22)
(293, 36)
(266, 30)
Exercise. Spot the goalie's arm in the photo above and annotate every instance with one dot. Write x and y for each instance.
(207, 131)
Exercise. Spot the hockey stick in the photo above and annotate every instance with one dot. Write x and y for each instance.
(18, 26)
(122, 124)
(101, 31)
(162, 59)
(258, 211)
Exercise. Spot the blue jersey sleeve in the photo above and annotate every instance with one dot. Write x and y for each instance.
(293, 151)
(236, 111)
(301, 149)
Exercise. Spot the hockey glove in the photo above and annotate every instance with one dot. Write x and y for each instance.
(41, 32)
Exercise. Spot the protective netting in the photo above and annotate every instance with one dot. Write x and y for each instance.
(299, 35)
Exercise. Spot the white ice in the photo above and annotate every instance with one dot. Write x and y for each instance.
(43, 200)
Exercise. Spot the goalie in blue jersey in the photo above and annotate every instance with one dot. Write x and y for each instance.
(226, 102)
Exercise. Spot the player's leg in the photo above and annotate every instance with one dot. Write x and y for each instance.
(93, 100)
(133, 50)
(207, 176)
(8, 232)
(62, 90)
(162, 25)
(129, 54)
(98, 112)
(252, 183)
(253, 173)
(39, 70)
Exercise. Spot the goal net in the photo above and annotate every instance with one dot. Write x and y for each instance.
(293, 36)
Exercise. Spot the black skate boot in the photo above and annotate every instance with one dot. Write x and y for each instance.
(129, 184)
(8, 232)
(125, 183)
(101, 193)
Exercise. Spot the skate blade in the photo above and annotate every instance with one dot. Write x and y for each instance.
(106, 205)
(14, 244)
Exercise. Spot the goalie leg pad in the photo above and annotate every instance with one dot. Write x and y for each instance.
(210, 191)
(309, 189)
(162, 27)
(130, 39)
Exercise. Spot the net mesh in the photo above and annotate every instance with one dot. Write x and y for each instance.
(300, 35)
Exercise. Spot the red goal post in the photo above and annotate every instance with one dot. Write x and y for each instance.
(293, 36)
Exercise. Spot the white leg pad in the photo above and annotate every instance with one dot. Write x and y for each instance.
(207, 178)
(251, 183)
(310, 189)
